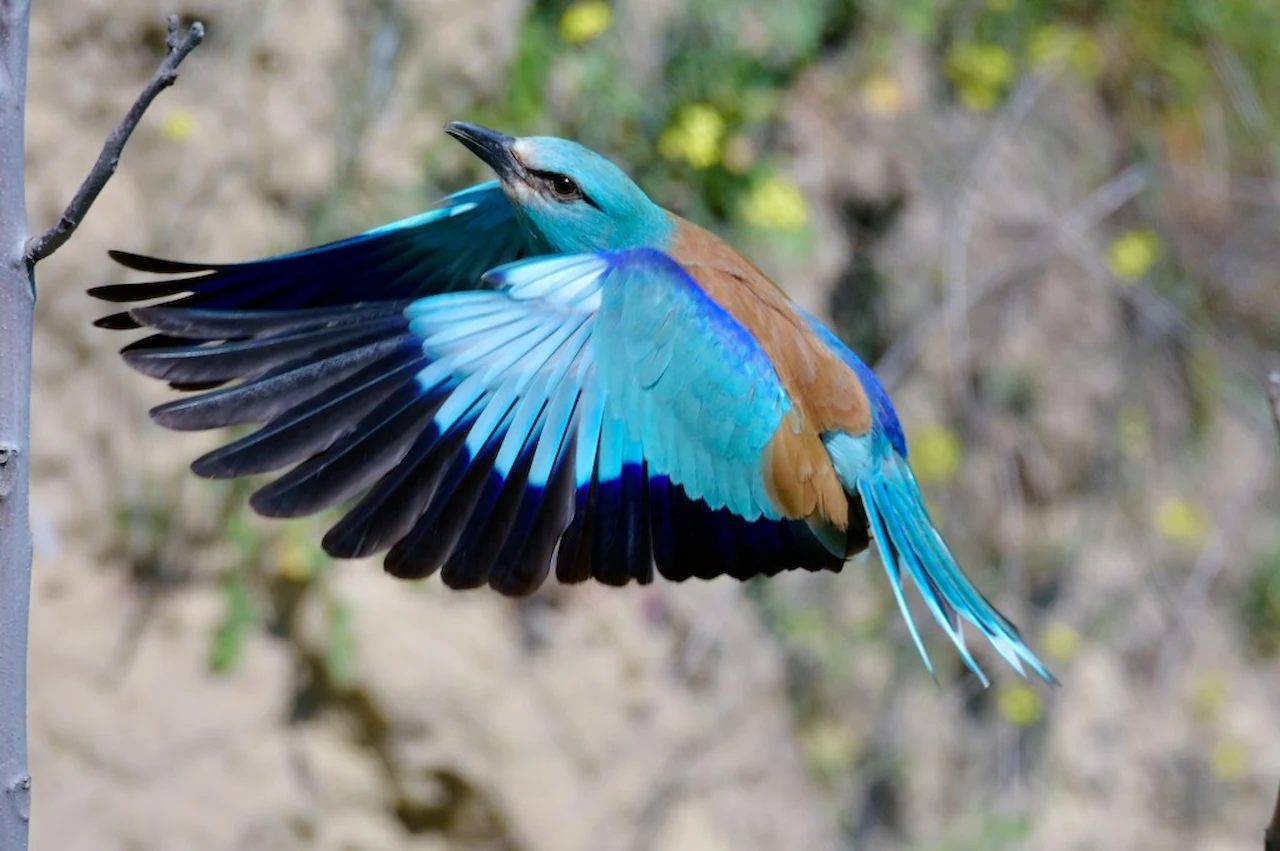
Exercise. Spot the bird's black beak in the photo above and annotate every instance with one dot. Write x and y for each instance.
(491, 146)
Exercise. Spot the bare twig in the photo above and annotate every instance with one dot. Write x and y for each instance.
(179, 47)
(1273, 393)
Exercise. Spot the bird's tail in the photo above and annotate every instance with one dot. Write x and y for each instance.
(908, 542)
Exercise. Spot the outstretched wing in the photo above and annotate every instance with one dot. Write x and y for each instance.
(598, 403)
(447, 248)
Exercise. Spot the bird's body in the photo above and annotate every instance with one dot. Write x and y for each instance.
(548, 366)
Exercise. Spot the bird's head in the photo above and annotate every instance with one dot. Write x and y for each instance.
(570, 196)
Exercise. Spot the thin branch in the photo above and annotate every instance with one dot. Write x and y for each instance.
(40, 247)
(1273, 391)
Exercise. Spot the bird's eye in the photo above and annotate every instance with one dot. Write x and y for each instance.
(564, 188)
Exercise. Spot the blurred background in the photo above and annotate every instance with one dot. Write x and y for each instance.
(1053, 227)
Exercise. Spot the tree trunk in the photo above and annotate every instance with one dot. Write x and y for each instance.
(17, 303)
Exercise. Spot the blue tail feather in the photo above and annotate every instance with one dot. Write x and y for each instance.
(908, 542)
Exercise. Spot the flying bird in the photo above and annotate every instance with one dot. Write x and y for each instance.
(548, 367)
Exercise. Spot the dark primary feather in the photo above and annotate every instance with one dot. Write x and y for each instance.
(447, 248)
(274, 391)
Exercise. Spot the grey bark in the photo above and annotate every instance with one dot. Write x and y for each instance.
(17, 302)
(18, 256)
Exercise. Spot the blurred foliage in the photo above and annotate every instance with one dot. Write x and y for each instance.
(1260, 607)
(692, 128)
(272, 570)
(980, 72)
(227, 646)
(996, 832)
(1155, 59)
(696, 123)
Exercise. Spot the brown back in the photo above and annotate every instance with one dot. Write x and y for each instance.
(825, 393)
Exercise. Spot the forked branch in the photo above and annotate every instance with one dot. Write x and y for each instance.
(179, 47)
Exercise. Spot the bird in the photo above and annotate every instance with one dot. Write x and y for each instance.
(548, 369)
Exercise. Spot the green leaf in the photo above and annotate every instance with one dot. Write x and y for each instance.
(339, 646)
(230, 637)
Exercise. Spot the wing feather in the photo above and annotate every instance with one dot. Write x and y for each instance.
(591, 403)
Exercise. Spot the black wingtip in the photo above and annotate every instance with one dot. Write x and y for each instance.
(157, 265)
(117, 322)
(406, 570)
(140, 292)
(221, 464)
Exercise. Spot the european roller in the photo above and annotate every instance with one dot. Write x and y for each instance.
(548, 367)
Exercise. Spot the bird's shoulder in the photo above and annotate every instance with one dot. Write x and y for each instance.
(824, 390)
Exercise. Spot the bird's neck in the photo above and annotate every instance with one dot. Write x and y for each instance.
(656, 228)
(643, 228)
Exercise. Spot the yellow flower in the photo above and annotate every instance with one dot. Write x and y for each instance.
(178, 125)
(1133, 253)
(935, 454)
(1181, 521)
(1230, 759)
(883, 95)
(832, 748)
(774, 203)
(585, 20)
(1020, 704)
(980, 73)
(1052, 44)
(1061, 641)
(1210, 691)
(696, 136)
(296, 559)
(1135, 430)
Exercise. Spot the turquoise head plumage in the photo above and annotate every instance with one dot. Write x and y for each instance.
(571, 198)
